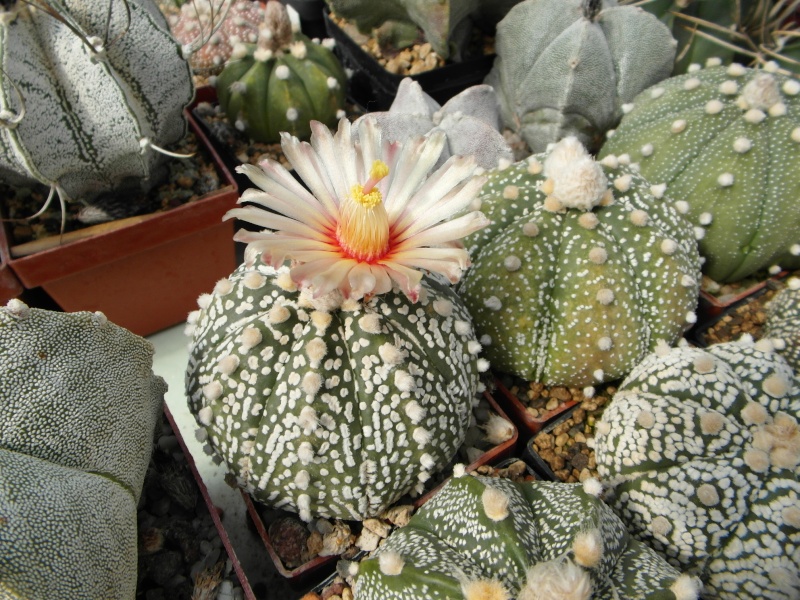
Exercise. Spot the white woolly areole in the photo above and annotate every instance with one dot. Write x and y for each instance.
(495, 503)
(729, 87)
(646, 419)
(512, 263)
(713, 107)
(588, 220)
(531, 229)
(639, 217)
(678, 126)
(463, 328)
(443, 307)
(707, 494)
(646, 150)
(685, 587)
(204, 415)
(473, 347)
(669, 246)
(556, 580)
(578, 181)
(312, 382)
(795, 135)
(282, 72)
(212, 390)
(421, 435)
(598, 255)
(305, 452)
(483, 365)
(390, 354)
(321, 320)
(278, 314)
(228, 364)
(791, 87)
(253, 280)
(390, 563)
(711, 423)
(493, 303)
(736, 70)
(292, 114)
(510, 192)
(656, 93)
(371, 323)
(593, 487)
(761, 92)
(316, 350)
(660, 525)
(404, 381)
(414, 411)
(265, 54)
(307, 419)
(498, 430)
(302, 479)
(284, 281)
(204, 301)
(791, 516)
(17, 308)
(587, 548)
(484, 589)
(776, 386)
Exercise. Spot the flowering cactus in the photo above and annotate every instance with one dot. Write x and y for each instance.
(575, 280)
(83, 114)
(480, 538)
(783, 322)
(79, 407)
(282, 82)
(566, 67)
(726, 141)
(333, 387)
(702, 448)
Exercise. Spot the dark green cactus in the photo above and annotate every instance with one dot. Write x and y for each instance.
(492, 539)
(575, 279)
(783, 322)
(281, 83)
(726, 141)
(703, 450)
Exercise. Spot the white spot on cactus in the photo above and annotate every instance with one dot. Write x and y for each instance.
(602, 428)
(756, 460)
(228, 364)
(623, 182)
(493, 303)
(777, 110)
(681, 206)
(713, 107)
(495, 503)
(511, 192)
(774, 269)
(305, 452)
(587, 548)
(685, 587)
(340, 114)
(668, 246)
(605, 343)
(390, 354)
(414, 411)
(302, 479)
(427, 462)
(736, 70)
(771, 66)
(212, 390)
(791, 87)
(791, 516)
(531, 229)
(463, 328)
(459, 470)
(646, 150)
(755, 116)
(610, 161)
(776, 386)
(646, 419)
(422, 436)
(328, 43)
(316, 350)
(795, 135)
(765, 345)
(598, 374)
(512, 263)
(656, 93)
(691, 84)
(691, 317)
(624, 159)
(370, 323)
(253, 280)
(298, 50)
(484, 589)
(588, 220)
(699, 233)
(486, 340)
(626, 108)
(711, 423)
(312, 382)
(482, 365)
(662, 348)
(292, 114)
(390, 563)
(660, 526)
(704, 219)
(473, 347)
(678, 126)
(640, 218)
(694, 68)
(729, 87)
(605, 296)
(321, 320)
(204, 301)
(282, 72)
(403, 381)
(278, 314)
(265, 54)
(205, 415)
(707, 494)
(598, 255)
(304, 506)
(307, 419)
(592, 486)
(443, 307)
(503, 164)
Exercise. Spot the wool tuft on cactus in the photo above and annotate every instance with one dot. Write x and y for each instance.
(702, 449)
(481, 538)
(783, 322)
(335, 385)
(89, 94)
(282, 82)
(581, 271)
(726, 142)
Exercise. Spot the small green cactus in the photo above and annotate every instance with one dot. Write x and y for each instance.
(575, 280)
(79, 407)
(282, 82)
(726, 141)
(480, 538)
(566, 67)
(702, 447)
(783, 322)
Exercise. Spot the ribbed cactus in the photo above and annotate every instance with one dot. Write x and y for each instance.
(566, 67)
(78, 404)
(282, 82)
(581, 271)
(86, 93)
(703, 450)
(783, 322)
(726, 141)
(480, 538)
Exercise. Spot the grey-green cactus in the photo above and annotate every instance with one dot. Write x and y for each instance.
(702, 448)
(566, 67)
(470, 120)
(726, 141)
(492, 539)
(88, 94)
(282, 82)
(581, 271)
(79, 405)
(331, 407)
(783, 322)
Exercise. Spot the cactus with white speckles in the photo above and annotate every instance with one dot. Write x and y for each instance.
(783, 322)
(576, 279)
(482, 538)
(78, 407)
(566, 67)
(282, 82)
(726, 141)
(702, 447)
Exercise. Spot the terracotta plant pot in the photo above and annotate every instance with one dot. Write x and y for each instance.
(144, 272)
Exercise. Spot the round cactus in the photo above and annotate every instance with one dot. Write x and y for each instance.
(480, 538)
(282, 82)
(79, 407)
(726, 141)
(702, 448)
(83, 114)
(575, 280)
(783, 322)
(329, 407)
(566, 67)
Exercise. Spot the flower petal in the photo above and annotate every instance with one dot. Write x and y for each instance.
(312, 171)
(322, 141)
(414, 160)
(444, 232)
(275, 222)
(407, 279)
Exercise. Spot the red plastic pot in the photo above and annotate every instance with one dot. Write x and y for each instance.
(711, 306)
(146, 272)
(524, 421)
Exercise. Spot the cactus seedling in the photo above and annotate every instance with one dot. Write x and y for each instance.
(703, 450)
(577, 278)
(726, 141)
(783, 322)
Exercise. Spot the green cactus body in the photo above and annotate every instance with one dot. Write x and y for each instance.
(702, 447)
(577, 295)
(566, 67)
(726, 141)
(331, 407)
(78, 115)
(783, 322)
(481, 538)
(79, 407)
(281, 84)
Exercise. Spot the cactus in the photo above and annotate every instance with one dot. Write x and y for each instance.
(470, 119)
(333, 387)
(566, 67)
(783, 322)
(88, 94)
(79, 407)
(483, 538)
(702, 448)
(281, 83)
(726, 141)
(575, 280)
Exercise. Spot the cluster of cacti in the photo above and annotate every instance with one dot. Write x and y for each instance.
(480, 538)
(783, 322)
(87, 94)
(282, 82)
(79, 404)
(702, 448)
(581, 271)
(726, 142)
(566, 67)
(470, 119)
(198, 24)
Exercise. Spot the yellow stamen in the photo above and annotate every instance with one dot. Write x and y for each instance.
(363, 230)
